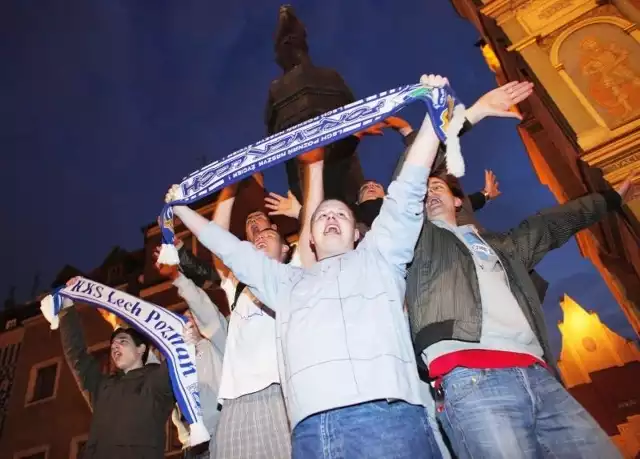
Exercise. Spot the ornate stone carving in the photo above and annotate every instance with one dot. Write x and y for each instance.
(612, 82)
(602, 61)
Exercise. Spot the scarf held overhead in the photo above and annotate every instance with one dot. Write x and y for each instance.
(444, 110)
(161, 326)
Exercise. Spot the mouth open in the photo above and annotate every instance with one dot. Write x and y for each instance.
(261, 245)
(116, 355)
(433, 203)
(332, 229)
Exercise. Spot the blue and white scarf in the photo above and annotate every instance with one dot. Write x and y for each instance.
(161, 326)
(444, 109)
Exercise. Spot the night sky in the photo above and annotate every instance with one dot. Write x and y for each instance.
(106, 103)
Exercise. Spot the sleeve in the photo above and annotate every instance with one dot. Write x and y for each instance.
(161, 382)
(85, 368)
(211, 323)
(477, 200)
(253, 268)
(395, 230)
(551, 228)
(196, 269)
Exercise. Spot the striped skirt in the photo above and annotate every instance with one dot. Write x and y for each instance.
(254, 426)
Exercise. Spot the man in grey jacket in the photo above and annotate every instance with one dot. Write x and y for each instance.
(479, 327)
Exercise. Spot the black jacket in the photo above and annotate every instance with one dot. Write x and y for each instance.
(471, 202)
(199, 271)
(443, 296)
(130, 410)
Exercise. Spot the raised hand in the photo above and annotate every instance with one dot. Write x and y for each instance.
(491, 184)
(628, 190)
(279, 205)
(375, 129)
(398, 124)
(167, 271)
(393, 122)
(173, 194)
(500, 101)
(190, 333)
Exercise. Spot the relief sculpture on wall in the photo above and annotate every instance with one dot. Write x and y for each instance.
(604, 63)
(613, 84)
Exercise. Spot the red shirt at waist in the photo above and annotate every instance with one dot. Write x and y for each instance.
(480, 359)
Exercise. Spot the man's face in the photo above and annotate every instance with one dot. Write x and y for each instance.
(333, 228)
(269, 241)
(369, 191)
(125, 354)
(256, 222)
(440, 204)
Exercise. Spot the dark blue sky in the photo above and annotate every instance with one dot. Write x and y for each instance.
(106, 103)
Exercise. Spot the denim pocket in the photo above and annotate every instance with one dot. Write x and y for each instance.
(460, 383)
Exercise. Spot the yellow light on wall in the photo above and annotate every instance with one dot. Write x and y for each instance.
(109, 317)
(490, 57)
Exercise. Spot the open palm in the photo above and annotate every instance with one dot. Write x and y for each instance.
(279, 205)
(501, 101)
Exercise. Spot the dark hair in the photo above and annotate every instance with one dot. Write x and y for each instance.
(452, 182)
(259, 211)
(283, 241)
(137, 338)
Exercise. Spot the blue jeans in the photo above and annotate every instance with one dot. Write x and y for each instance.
(517, 413)
(374, 430)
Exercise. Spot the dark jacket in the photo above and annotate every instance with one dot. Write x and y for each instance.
(443, 296)
(199, 271)
(130, 410)
(471, 202)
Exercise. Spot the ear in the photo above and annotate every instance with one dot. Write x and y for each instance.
(457, 202)
(140, 349)
(285, 248)
(356, 235)
(274, 226)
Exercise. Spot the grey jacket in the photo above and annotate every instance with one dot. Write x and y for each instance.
(443, 296)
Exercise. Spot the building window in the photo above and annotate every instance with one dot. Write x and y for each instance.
(43, 381)
(11, 324)
(39, 452)
(77, 447)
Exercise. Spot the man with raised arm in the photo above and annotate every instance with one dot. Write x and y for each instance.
(253, 422)
(479, 327)
(345, 356)
(131, 407)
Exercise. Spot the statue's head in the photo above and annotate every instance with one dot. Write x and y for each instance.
(290, 40)
(590, 44)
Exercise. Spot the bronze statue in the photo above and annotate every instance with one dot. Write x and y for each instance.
(303, 92)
